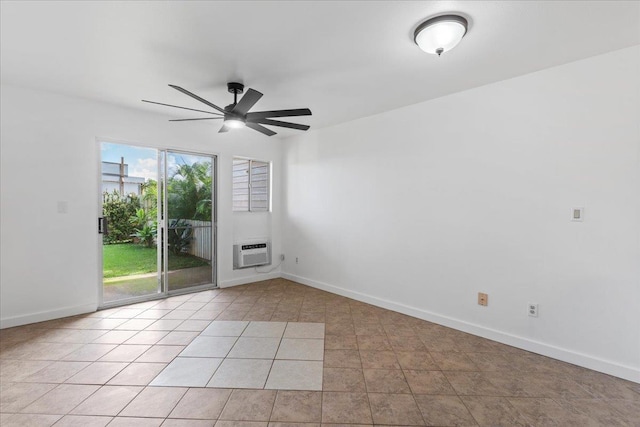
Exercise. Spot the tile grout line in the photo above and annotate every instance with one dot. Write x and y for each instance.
(266, 380)
(299, 313)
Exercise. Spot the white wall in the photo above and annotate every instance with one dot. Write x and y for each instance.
(49, 265)
(416, 209)
(420, 208)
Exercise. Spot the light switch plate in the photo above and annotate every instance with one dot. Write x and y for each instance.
(577, 214)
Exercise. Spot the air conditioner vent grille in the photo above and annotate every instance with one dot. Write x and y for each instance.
(251, 254)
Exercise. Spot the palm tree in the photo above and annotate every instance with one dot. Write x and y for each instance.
(189, 192)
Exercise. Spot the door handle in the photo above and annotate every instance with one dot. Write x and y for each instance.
(103, 227)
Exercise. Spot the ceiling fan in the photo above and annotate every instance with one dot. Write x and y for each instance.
(237, 115)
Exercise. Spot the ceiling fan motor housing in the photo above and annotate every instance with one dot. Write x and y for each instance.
(235, 88)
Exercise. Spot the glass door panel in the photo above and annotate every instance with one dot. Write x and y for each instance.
(189, 214)
(128, 224)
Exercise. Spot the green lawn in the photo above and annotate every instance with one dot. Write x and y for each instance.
(128, 259)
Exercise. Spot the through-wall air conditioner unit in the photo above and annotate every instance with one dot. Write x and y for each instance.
(251, 254)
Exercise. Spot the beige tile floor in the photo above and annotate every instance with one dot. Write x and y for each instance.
(378, 368)
(248, 354)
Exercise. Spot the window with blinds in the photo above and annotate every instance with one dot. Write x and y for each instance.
(250, 185)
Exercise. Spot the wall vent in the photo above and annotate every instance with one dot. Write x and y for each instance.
(251, 254)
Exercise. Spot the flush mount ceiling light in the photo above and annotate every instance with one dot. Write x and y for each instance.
(440, 34)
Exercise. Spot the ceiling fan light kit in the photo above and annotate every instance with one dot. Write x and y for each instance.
(440, 34)
(234, 122)
(230, 120)
(237, 115)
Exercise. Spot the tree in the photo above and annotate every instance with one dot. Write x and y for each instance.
(189, 192)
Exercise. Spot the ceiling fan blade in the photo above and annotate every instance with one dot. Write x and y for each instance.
(280, 123)
(194, 96)
(202, 118)
(224, 128)
(279, 113)
(260, 129)
(248, 100)
(184, 108)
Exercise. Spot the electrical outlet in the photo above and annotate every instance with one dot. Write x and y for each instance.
(532, 309)
(483, 299)
(296, 260)
(281, 257)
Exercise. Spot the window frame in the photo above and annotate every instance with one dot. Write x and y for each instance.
(249, 169)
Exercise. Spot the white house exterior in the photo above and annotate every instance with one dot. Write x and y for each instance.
(115, 176)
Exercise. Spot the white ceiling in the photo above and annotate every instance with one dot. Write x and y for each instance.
(344, 60)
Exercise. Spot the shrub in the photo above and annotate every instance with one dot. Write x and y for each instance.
(180, 235)
(140, 219)
(118, 210)
(147, 234)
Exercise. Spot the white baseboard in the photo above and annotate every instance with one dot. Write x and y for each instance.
(42, 316)
(250, 279)
(608, 367)
(10, 322)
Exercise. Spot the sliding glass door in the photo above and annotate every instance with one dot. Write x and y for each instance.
(157, 223)
(189, 213)
(130, 248)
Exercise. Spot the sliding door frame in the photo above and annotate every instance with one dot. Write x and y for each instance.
(162, 268)
(214, 221)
